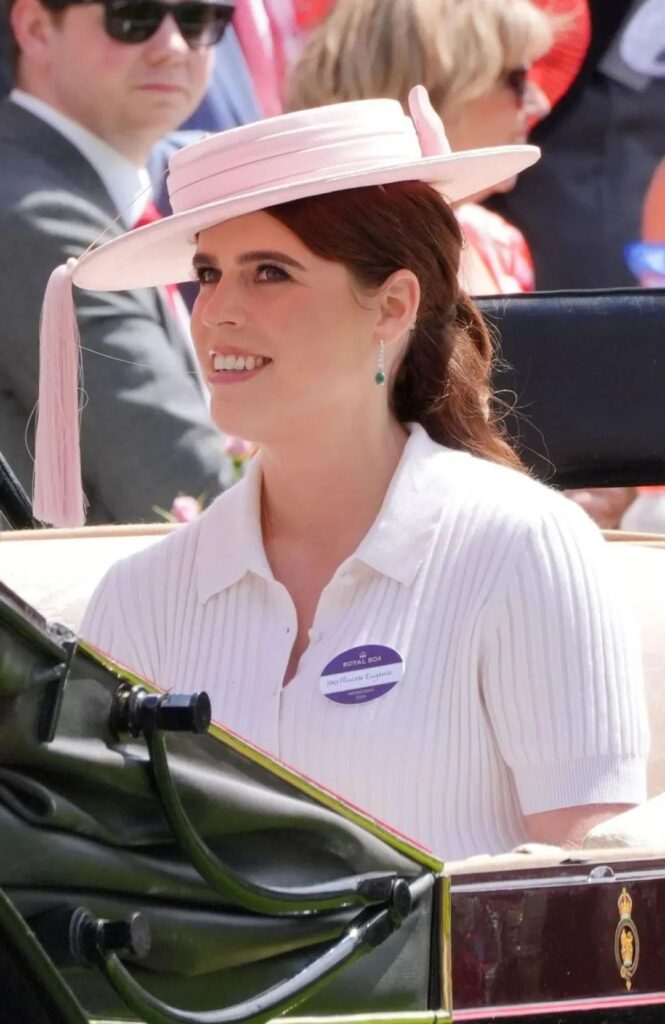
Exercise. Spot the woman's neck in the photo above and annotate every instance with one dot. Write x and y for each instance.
(325, 492)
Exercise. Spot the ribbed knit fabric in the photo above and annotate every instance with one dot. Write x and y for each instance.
(522, 681)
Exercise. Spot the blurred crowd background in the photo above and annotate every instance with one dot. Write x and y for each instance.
(583, 79)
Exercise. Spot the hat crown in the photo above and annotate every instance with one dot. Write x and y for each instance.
(337, 139)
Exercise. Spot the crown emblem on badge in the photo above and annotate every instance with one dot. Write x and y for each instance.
(626, 940)
(625, 904)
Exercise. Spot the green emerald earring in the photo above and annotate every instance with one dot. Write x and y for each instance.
(380, 375)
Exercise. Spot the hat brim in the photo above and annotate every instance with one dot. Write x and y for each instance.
(161, 253)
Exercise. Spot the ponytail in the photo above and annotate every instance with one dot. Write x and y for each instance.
(444, 382)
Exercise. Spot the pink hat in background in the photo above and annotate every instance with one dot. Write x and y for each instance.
(233, 173)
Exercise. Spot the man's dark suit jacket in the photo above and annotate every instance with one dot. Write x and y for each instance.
(146, 435)
(582, 202)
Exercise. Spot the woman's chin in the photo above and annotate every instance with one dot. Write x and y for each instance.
(234, 426)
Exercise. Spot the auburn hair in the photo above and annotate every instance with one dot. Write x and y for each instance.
(443, 380)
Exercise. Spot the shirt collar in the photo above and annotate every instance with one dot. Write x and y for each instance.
(396, 545)
(128, 185)
(401, 535)
(230, 540)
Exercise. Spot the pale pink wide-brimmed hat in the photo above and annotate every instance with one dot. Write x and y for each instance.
(236, 172)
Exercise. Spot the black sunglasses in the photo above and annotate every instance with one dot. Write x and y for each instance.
(517, 81)
(201, 23)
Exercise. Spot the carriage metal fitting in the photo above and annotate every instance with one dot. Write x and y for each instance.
(91, 938)
(401, 900)
(52, 681)
(136, 711)
(76, 938)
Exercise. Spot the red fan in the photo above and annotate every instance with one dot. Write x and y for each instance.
(556, 71)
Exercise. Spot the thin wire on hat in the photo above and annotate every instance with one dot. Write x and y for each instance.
(129, 362)
(148, 190)
(83, 393)
(105, 355)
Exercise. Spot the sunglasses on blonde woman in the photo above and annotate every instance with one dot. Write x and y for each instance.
(517, 81)
(201, 23)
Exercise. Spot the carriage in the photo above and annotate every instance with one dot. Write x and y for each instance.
(156, 867)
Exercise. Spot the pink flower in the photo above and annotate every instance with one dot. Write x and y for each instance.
(236, 448)
(185, 509)
(239, 452)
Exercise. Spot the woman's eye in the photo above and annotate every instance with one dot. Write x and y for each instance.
(271, 272)
(207, 275)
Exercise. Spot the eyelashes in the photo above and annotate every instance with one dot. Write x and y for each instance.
(272, 272)
(265, 273)
(207, 275)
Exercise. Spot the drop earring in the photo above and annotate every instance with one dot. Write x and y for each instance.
(380, 375)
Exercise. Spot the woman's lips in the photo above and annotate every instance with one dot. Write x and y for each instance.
(223, 378)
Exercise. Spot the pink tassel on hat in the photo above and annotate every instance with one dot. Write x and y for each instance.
(58, 491)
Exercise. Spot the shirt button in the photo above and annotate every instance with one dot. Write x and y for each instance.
(314, 635)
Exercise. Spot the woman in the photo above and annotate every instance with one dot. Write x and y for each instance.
(473, 57)
(386, 601)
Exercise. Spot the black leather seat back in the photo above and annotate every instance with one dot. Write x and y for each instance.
(586, 372)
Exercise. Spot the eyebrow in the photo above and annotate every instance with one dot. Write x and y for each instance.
(255, 256)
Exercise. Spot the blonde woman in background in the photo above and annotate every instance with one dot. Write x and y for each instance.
(473, 57)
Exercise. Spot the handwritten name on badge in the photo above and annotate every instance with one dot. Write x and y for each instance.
(361, 674)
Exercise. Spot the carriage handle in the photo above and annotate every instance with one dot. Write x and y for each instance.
(138, 712)
(368, 930)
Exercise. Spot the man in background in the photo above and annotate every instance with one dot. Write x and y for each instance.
(581, 205)
(97, 84)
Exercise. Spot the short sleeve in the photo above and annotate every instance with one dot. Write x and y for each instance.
(561, 670)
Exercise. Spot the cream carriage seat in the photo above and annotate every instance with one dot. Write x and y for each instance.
(641, 568)
(57, 570)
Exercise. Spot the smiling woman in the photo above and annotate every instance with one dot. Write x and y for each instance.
(386, 601)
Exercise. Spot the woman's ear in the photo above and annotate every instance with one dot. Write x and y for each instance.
(399, 300)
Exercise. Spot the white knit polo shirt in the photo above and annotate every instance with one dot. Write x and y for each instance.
(520, 687)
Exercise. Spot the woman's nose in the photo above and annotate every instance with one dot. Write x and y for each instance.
(536, 105)
(219, 305)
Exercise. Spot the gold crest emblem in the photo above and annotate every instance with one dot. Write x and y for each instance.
(626, 940)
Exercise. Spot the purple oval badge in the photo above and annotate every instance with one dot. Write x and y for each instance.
(361, 674)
